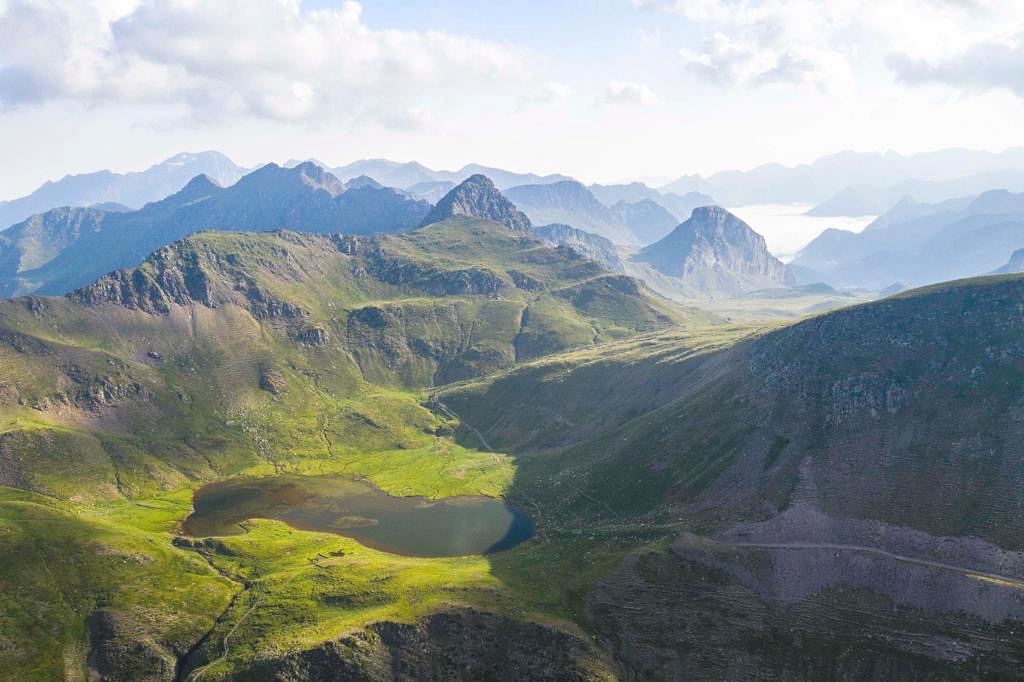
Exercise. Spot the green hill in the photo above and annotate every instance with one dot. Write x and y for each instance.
(256, 353)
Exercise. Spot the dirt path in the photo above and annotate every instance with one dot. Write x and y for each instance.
(1006, 580)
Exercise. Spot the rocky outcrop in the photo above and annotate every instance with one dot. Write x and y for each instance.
(116, 653)
(434, 281)
(477, 197)
(311, 336)
(459, 645)
(172, 276)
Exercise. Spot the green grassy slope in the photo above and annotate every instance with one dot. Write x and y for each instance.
(862, 399)
(893, 426)
(645, 440)
(250, 354)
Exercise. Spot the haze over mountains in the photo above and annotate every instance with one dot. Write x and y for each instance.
(818, 181)
(847, 183)
(914, 242)
(921, 243)
(132, 190)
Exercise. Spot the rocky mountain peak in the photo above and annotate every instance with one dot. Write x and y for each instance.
(717, 253)
(200, 185)
(477, 197)
(315, 176)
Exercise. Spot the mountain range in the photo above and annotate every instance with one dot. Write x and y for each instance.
(847, 183)
(131, 190)
(838, 497)
(826, 177)
(404, 175)
(872, 200)
(65, 248)
(922, 243)
(645, 218)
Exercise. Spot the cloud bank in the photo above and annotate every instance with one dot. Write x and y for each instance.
(220, 58)
(971, 44)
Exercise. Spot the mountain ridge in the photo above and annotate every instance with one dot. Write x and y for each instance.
(133, 189)
(50, 253)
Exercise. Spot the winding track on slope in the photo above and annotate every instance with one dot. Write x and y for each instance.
(1010, 581)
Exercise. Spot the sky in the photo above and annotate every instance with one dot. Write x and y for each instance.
(603, 90)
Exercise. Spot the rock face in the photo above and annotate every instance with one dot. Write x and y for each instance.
(716, 253)
(460, 645)
(114, 653)
(477, 197)
(588, 245)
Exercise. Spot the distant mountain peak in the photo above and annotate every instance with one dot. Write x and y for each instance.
(198, 188)
(133, 189)
(201, 183)
(477, 197)
(307, 173)
(363, 181)
(1014, 265)
(714, 252)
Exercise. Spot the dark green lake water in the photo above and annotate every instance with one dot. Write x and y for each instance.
(415, 526)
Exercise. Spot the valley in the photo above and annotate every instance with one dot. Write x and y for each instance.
(479, 448)
(449, 341)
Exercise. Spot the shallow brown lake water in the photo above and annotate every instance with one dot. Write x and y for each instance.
(415, 526)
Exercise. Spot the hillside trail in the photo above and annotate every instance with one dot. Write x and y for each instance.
(1005, 580)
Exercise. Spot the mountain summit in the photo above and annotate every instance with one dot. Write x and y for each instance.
(477, 197)
(715, 253)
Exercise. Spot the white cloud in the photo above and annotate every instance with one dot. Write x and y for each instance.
(828, 44)
(222, 58)
(629, 93)
(982, 67)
